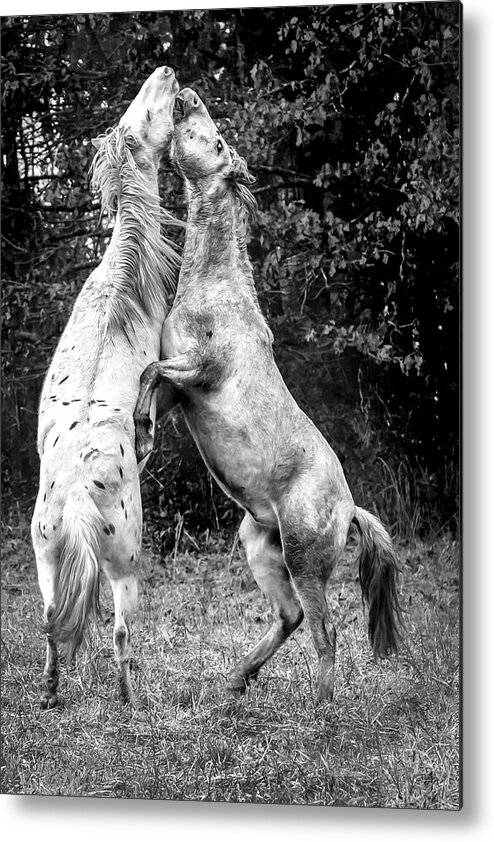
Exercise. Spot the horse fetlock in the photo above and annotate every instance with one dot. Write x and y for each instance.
(50, 678)
(326, 681)
(121, 643)
(126, 692)
(124, 680)
(120, 637)
(49, 611)
(325, 692)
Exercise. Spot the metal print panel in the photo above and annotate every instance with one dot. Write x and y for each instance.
(230, 250)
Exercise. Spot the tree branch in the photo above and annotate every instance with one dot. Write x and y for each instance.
(282, 185)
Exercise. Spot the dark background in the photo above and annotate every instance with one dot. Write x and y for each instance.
(349, 118)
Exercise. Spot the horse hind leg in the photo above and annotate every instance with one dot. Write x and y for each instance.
(49, 685)
(313, 598)
(310, 564)
(124, 588)
(47, 565)
(265, 558)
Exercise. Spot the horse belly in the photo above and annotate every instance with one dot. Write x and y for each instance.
(240, 470)
(254, 500)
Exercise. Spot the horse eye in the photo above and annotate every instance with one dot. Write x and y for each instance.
(219, 147)
(148, 115)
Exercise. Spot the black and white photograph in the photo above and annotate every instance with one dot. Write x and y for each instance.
(231, 405)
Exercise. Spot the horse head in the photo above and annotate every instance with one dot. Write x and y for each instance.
(199, 149)
(147, 126)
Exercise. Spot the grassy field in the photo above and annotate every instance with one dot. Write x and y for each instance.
(389, 739)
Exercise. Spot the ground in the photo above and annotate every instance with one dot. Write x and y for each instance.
(389, 739)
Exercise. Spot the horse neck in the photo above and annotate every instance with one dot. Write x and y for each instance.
(135, 252)
(215, 251)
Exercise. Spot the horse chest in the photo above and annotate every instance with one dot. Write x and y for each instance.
(186, 326)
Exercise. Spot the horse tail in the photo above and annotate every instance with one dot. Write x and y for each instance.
(77, 583)
(378, 570)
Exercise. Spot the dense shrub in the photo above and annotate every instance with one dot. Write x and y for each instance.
(348, 116)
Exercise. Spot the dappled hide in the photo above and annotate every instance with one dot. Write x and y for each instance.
(262, 449)
(88, 512)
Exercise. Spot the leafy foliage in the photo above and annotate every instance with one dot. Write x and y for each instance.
(349, 118)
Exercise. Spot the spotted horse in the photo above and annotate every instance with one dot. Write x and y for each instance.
(88, 515)
(256, 441)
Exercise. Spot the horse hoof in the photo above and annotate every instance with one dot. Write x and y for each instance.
(325, 697)
(233, 694)
(236, 687)
(144, 445)
(47, 702)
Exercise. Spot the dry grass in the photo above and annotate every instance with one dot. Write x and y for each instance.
(390, 739)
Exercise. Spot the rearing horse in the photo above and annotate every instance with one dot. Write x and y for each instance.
(88, 511)
(256, 441)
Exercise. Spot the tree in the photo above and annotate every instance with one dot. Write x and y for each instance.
(349, 118)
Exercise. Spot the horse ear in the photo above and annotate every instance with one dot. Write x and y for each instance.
(96, 141)
(239, 171)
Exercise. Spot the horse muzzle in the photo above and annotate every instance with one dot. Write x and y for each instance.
(188, 102)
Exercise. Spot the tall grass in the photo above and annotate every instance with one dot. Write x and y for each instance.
(390, 738)
(406, 498)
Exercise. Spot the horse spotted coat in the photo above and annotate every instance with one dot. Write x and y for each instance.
(88, 515)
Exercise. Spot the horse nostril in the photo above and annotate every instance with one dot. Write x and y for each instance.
(167, 71)
(195, 102)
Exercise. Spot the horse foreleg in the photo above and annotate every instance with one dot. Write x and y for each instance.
(264, 554)
(183, 370)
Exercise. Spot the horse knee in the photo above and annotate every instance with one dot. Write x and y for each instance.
(291, 617)
(247, 532)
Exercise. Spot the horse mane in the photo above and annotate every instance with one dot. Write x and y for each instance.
(247, 200)
(146, 263)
